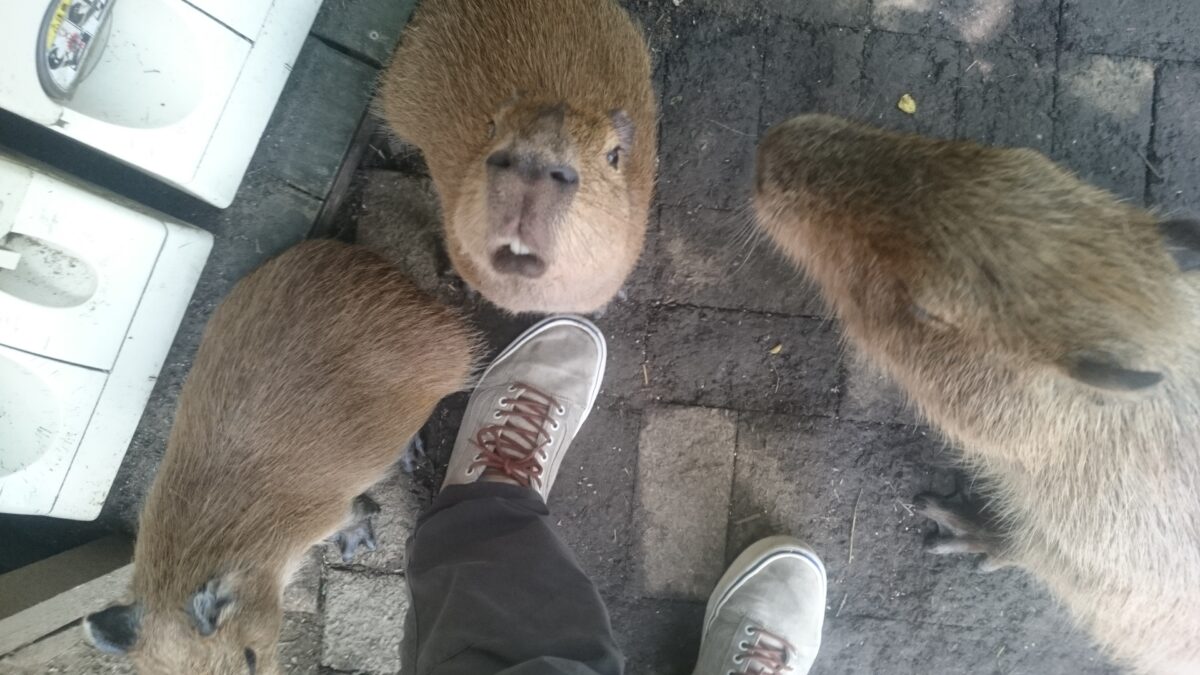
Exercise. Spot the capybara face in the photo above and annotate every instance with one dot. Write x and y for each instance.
(932, 250)
(218, 630)
(545, 214)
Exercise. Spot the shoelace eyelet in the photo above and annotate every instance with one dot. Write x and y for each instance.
(516, 444)
(561, 410)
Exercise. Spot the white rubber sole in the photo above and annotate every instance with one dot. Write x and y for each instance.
(751, 561)
(569, 320)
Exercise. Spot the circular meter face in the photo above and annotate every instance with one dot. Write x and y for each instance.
(68, 42)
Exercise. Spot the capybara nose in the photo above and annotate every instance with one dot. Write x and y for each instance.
(508, 261)
(533, 169)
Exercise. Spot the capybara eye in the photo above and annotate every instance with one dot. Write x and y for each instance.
(614, 157)
(251, 660)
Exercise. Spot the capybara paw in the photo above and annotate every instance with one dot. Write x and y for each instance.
(360, 533)
(413, 455)
(962, 528)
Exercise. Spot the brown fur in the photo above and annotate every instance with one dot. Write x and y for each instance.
(467, 64)
(311, 377)
(977, 277)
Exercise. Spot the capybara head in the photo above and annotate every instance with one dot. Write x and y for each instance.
(227, 625)
(545, 217)
(935, 253)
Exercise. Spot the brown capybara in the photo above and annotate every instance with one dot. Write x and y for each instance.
(1049, 329)
(539, 125)
(311, 377)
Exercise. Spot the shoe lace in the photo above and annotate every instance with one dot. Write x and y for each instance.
(766, 655)
(515, 447)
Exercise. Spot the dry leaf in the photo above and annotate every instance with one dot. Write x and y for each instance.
(777, 349)
(907, 104)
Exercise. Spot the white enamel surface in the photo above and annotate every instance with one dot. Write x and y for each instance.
(84, 265)
(86, 321)
(244, 16)
(175, 92)
(45, 407)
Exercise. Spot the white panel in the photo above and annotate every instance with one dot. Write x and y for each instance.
(20, 90)
(132, 378)
(84, 264)
(244, 16)
(45, 406)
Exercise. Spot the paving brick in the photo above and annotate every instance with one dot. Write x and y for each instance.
(593, 496)
(305, 143)
(833, 484)
(370, 28)
(865, 644)
(300, 644)
(1007, 97)
(303, 593)
(723, 359)
(840, 12)
(400, 219)
(719, 259)
(803, 476)
(1161, 29)
(642, 283)
(658, 637)
(710, 119)
(625, 326)
(400, 503)
(1027, 23)
(1104, 115)
(810, 70)
(870, 396)
(925, 68)
(685, 464)
(1177, 140)
(364, 622)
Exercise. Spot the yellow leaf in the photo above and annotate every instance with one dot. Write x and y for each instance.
(907, 104)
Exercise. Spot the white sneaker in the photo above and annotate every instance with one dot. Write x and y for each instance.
(529, 405)
(766, 613)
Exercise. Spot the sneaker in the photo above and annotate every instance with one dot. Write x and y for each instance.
(766, 613)
(529, 405)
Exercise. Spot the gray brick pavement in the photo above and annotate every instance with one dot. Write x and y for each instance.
(364, 622)
(729, 412)
(685, 467)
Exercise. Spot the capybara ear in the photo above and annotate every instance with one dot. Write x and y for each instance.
(114, 630)
(1182, 237)
(211, 603)
(626, 129)
(1101, 370)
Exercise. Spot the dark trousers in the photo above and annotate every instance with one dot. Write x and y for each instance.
(495, 591)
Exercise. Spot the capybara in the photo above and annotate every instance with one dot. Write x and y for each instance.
(538, 122)
(311, 377)
(1049, 329)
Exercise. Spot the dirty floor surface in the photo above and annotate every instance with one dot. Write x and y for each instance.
(729, 411)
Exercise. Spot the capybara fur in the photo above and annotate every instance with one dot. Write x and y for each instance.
(1049, 329)
(538, 122)
(311, 377)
